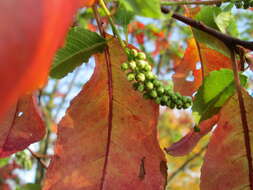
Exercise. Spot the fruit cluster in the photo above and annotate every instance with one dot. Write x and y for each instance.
(243, 3)
(144, 81)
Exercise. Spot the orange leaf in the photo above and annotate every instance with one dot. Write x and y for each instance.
(21, 126)
(31, 31)
(226, 164)
(211, 60)
(108, 138)
(87, 3)
(189, 141)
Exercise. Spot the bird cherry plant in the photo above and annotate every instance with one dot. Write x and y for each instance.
(139, 72)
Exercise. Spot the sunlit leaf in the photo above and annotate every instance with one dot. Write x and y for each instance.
(217, 88)
(80, 45)
(226, 163)
(108, 139)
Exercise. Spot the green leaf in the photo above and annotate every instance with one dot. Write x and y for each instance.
(216, 89)
(150, 8)
(79, 46)
(123, 16)
(4, 162)
(30, 186)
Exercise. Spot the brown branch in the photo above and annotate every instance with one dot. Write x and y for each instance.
(38, 157)
(213, 2)
(226, 39)
(243, 117)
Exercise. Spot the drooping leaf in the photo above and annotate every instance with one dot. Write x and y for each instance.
(185, 145)
(216, 89)
(80, 45)
(226, 163)
(150, 8)
(108, 139)
(21, 126)
(28, 44)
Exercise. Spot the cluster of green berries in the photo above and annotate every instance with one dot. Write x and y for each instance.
(140, 73)
(243, 3)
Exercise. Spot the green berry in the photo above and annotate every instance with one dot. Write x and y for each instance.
(132, 65)
(173, 98)
(149, 85)
(135, 85)
(157, 83)
(160, 90)
(149, 75)
(172, 105)
(141, 64)
(146, 96)
(141, 88)
(124, 66)
(164, 100)
(153, 94)
(130, 76)
(147, 68)
(179, 107)
(134, 52)
(158, 100)
(141, 55)
(140, 77)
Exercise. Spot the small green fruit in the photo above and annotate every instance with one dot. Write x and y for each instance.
(149, 75)
(153, 94)
(141, 88)
(158, 100)
(147, 68)
(141, 55)
(130, 76)
(132, 65)
(134, 52)
(160, 90)
(146, 96)
(140, 77)
(124, 66)
(149, 85)
(141, 64)
(157, 83)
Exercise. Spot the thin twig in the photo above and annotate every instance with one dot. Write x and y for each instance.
(173, 3)
(181, 168)
(243, 117)
(228, 40)
(38, 157)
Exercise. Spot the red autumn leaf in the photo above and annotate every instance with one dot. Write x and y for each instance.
(211, 60)
(107, 139)
(226, 162)
(21, 126)
(87, 3)
(189, 141)
(187, 65)
(31, 31)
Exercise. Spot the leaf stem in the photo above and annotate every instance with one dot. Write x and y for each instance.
(114, 29)
(243, 117)
(175, 3)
